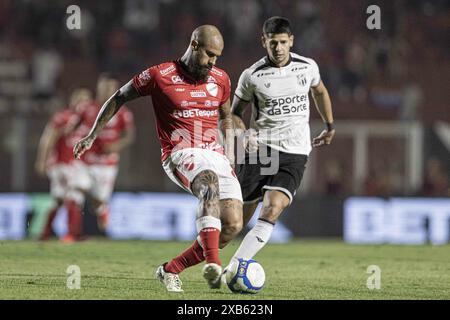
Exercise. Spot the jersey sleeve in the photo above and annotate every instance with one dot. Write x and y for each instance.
(144, 82)
(315, 74)
(244, 90)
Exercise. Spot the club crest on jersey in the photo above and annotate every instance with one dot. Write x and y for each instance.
(301, 80)
(212, 89)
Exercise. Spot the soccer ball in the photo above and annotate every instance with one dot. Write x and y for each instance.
(245, 276)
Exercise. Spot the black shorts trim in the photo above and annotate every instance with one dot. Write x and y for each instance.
(284, 190)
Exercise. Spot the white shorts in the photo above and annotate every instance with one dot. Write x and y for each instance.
(102, 179)
(66, 177)
(184, 165)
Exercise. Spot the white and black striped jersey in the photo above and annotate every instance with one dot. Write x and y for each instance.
(279, 96)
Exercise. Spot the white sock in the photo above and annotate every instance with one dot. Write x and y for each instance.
(254, 241)
(207, 222)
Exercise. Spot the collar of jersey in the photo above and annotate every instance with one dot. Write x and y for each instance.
(273, 65)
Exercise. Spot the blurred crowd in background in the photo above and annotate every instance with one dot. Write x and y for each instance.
(399, 73)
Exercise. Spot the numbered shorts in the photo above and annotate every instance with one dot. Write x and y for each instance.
(184, 165)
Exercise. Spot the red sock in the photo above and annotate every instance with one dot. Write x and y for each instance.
(210, 242)
(48, 224)
(190, 257)
(75, 221)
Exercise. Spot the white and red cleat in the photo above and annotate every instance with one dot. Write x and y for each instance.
(171, 281)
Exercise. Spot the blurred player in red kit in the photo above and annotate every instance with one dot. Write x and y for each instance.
(190, 96)
(102, 160)
(55, 159)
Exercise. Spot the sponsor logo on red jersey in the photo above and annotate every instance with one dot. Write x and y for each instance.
(180, 102)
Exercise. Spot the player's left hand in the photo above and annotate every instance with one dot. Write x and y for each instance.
(324, 138)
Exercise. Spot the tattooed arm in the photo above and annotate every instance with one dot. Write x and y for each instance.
(108, 110)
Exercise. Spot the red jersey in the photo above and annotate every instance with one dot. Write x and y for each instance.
(63, 149)
(112, 132)
(187, 111)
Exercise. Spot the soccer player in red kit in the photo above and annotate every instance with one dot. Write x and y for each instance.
(55, 159)
(190, 96)
(102, 160)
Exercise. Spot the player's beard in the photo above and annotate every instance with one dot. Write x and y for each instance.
(199, 72)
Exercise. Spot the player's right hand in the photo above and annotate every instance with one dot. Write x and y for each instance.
(82, 145)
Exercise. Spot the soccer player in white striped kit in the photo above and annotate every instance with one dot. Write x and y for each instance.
(277, 86)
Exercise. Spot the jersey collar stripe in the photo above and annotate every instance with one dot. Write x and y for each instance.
(265, 65)
(300, 60)
(271, 64)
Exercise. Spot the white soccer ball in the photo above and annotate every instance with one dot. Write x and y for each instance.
(245, 276)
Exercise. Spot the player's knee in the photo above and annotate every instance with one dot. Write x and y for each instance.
(206, 186)
(230, 229)
(232, 226)
(277, 205)
(272, 210)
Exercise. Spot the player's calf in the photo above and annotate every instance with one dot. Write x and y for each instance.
(231, 219)
(206, 187)
(274, 203)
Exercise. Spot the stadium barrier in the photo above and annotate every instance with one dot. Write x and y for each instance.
(171, 216)
(149, 216)
(397, 220)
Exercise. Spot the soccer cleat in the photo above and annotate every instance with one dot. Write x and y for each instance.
(221, 279)
(171, 280)
(212, 272)
(68, 238)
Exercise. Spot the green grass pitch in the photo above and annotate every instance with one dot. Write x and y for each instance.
(307, 269)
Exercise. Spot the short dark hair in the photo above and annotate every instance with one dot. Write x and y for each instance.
(277, 25)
